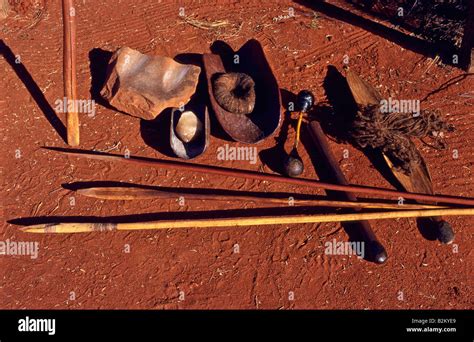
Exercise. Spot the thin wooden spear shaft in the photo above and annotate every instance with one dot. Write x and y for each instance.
(239, 221)
(69, 72)
(222, 171)
(128, 193)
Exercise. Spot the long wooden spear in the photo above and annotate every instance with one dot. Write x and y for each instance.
(69, 72)
(222, 171)
(239, 221)
(129, 193)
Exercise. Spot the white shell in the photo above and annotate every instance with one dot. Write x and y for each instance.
(188, 127)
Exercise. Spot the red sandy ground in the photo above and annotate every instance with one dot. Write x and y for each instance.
(273, 261)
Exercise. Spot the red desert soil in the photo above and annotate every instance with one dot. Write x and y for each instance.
(241, 268)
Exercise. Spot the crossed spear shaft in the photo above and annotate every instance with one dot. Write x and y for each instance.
(260, 176)
(229, 222)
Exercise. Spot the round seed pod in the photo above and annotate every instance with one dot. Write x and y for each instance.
(235, 92)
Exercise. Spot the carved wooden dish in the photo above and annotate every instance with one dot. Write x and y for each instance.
(266, 115)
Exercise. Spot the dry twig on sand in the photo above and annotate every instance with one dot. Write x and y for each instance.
(205, 24)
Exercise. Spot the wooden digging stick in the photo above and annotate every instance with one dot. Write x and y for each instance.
(69, 72)
(239, 221)
(376, 250)
(222, 171)
(128, 193)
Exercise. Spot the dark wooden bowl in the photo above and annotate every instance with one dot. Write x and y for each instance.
(266, 116)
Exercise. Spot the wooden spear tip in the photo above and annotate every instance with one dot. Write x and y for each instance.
(91, 192)
(85, 191)
(39, 228)
(66, 228)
